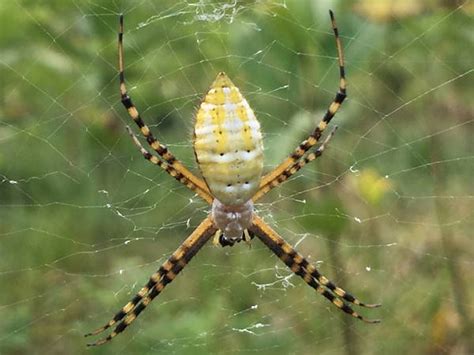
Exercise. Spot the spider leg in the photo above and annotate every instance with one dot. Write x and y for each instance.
(158, 147)
(314, 137)
(301, 267)
(169, 169)
(293, 169)
(157, 282)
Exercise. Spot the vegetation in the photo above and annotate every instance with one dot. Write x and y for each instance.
(386, 213)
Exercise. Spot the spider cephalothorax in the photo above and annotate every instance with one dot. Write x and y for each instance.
(232, 221)
(228, 149)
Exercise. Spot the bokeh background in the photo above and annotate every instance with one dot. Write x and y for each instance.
(387, 212)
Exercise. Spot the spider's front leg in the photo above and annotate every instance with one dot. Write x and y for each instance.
(158, 281)
(301, 267)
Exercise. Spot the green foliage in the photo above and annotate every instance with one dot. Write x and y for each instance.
(84, 220)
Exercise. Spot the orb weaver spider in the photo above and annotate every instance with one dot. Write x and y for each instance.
(229, 152)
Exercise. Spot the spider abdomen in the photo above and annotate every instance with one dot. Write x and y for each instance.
(228, 143)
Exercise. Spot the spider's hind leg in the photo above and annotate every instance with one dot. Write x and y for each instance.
(166, 159)
(290, 165)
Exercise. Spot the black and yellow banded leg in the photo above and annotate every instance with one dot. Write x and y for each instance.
(170, 169)
(158, 147)
(314, 137)
(132, 315)
(293, 169)
(157, 282)
(323, 280)
(300, 266)
(129, 307)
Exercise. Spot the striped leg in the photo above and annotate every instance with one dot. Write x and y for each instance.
(313, 139)
(158, 147)
(169, 169)
(301, 267)
(157, 282)
(293, 169)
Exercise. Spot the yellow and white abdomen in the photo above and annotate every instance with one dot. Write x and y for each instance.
(228, 143)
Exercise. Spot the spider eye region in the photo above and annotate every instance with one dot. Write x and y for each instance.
(228, 143)
(232, 220)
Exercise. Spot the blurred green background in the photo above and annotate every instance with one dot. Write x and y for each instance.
(387, 212)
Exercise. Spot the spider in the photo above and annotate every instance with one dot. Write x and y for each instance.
(229, 152)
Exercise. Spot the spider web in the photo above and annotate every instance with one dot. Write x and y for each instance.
(387, 212)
